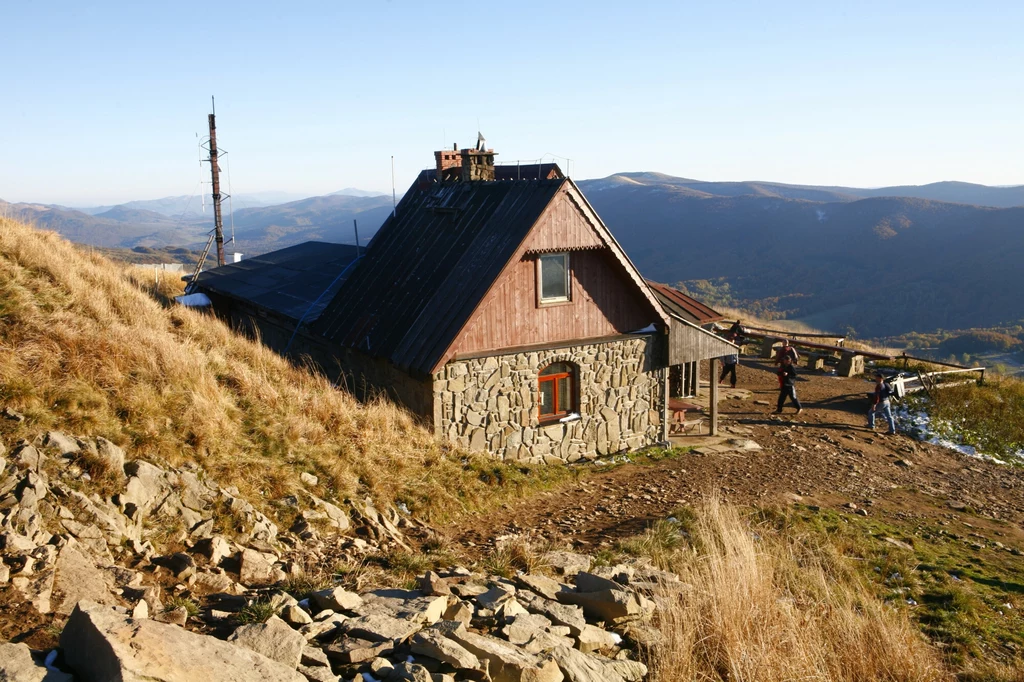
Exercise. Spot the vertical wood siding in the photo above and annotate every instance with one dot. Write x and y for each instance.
(604, 302)
(564, 227)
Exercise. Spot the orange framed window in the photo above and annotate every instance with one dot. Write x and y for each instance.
(557, 383)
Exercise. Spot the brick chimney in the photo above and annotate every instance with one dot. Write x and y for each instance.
(477, 164)
(447, 160)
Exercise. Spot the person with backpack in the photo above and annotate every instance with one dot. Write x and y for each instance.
(881, 402)
(787, 351)
(787, 387)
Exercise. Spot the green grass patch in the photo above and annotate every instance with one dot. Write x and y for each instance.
(964, 592)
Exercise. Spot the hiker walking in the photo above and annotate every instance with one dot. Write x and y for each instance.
(881, 403)
(729, 363)
(787, 351)
(735, 333)
(787, 388)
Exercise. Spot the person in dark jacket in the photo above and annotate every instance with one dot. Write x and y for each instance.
(736, 332)
(881, 403)
(787, 388)
(729, 363)
(787, 351)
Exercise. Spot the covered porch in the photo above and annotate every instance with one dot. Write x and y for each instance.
(687, 407)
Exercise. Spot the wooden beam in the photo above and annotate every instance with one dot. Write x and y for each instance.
(713, 398)
(665, 395)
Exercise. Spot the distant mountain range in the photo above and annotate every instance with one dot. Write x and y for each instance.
(883, 264)
(952, 192)
(171, 221)
(883, 261)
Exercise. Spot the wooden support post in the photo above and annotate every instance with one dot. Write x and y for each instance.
(713, 396)
(696, 377)
(665, 395)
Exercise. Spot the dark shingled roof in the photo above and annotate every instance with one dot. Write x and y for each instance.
(428, 267)
(681, 305)
(287, 281)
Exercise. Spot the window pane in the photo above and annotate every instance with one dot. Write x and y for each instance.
(547, 397)
(564, 395)
(554, 284)
(556, 368)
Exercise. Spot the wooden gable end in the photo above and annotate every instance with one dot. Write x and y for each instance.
(605, 300)
(565, 228)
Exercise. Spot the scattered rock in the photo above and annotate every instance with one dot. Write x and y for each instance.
(314, 656)
(17, 665)
(308, 478)
(274, 639)
(507, 663)
(595, 639)
(606, 605)
(337, 599)
(63, 443)
(495, 597)
(523, 628)
(318, 674)
(567, 563)
(141, 610)
(580, 667)
(460, 612)
(294, 615)
(410, 672)
(13, 415)
(214, 548)
(380, 628)
(542, 585)
(77, 578)
(256, 571)
(433, 584)
(104, 643)
(904, 463)
(355, 650)
(434, 644)
(112, 455)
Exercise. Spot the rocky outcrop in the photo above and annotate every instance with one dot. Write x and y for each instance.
(70, 551)
(104, 643)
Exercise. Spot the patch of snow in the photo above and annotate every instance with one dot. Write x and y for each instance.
(194, 300)
(919, 422)
(821, 215)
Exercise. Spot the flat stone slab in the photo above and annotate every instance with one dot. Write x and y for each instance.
(104, 643)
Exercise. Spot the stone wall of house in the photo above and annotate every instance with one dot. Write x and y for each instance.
(491, 403)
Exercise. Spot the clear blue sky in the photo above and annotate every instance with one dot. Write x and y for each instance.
(101, 101)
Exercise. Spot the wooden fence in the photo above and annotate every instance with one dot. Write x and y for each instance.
(929, 381)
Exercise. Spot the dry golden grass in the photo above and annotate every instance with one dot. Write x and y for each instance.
(86, 346)
(764, 607)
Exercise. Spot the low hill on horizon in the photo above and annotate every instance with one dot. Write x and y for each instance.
(882, 266)
(860, 258)
(949, 191)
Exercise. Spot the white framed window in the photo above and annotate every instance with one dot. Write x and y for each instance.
(553, 279)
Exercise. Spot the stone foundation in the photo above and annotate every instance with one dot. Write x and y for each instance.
(491, 403)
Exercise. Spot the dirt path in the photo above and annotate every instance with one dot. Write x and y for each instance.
(825, 456)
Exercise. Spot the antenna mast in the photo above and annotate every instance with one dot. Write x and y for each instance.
(218, 223)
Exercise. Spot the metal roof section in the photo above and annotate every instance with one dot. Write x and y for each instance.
(429, 266)
(680, 305)
(287, 281)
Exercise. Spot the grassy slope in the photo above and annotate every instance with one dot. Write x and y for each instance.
(87, 348)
